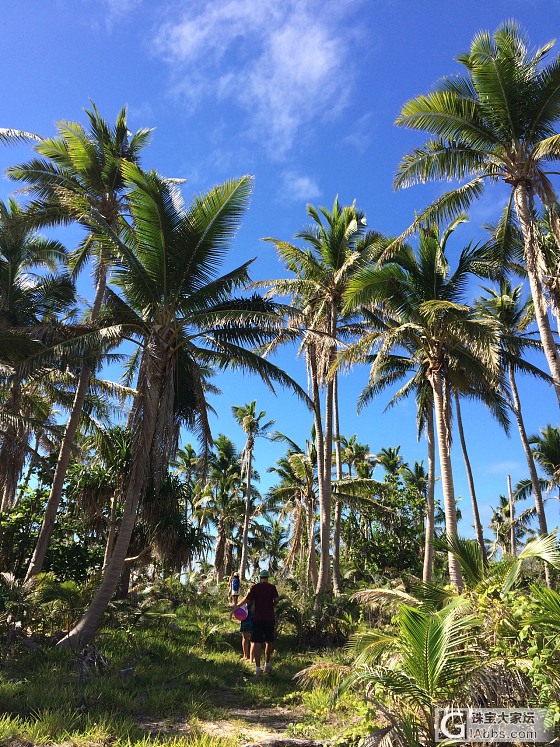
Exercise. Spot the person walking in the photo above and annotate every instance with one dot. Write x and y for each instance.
(263, 596)
(234, 587)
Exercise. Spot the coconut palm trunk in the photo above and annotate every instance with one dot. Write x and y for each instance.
(13, 450)
(312, 568)
(535, 484)
(336, 578)
(449, 505)
(537, 292)
(154, 374)
(55, 495)
(470, 479)
(325, 505)
(248, 467)
(430, 501)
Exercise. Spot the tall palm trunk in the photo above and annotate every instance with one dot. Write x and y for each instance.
(428, 568)
(319, 445)
(53, 502)
(533, 273)
(470, 480)
(512, 542)
(323, 583)
(245, 539)
(154, 375)
(336, 578)
(220, 550)
(312, 568)
(13, 450)
(535, 484)
(449, 504)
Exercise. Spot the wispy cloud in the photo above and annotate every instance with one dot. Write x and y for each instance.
(504, 468)
(298, 188)
(285, 65)
(116, 10)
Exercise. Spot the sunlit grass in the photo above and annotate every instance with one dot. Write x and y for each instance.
(157, 684)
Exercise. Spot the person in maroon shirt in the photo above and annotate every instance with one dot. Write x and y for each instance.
(264, 596)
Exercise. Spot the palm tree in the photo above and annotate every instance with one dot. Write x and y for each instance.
(297, 491)
(273, 539)
(497, 122)
(335, 250)
(31, 299)
(78, 172)
(246, 416)
(546, 452)
(514, 317)
(502, 525)
(187, 321)
(423, 302)
(221, 501)
(430, 660)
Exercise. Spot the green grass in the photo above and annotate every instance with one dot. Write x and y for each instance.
(160, 684)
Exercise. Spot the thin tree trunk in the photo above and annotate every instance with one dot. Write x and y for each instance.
(470, 480)
(320, 449)
(535, 484)
(336, 578)
(323, 584)
(531, 252)
(511, 519)
(449, 505)
(220, 551)
(112, 531)
(430, 501)
(312, 568)
(245, 539)
(53, 502)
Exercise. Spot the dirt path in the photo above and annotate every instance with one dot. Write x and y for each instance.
(252, 724)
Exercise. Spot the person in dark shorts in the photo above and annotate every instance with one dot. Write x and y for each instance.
(263, 596)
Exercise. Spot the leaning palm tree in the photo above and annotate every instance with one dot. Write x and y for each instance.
(78, 171)
(187, 321)
(498, 122)
(424, 305)
(246, 416)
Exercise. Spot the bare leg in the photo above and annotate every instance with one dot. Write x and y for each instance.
(268, 651)
(246, 644)
(257, 648)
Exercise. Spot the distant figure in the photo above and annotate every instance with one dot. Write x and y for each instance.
(234, 586)
(263, 596)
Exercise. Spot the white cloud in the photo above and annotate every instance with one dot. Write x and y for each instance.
(298, 188)
(504, 468)
(116, 10)
(285, 65)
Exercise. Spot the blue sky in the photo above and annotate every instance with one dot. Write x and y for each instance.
(303, 95)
